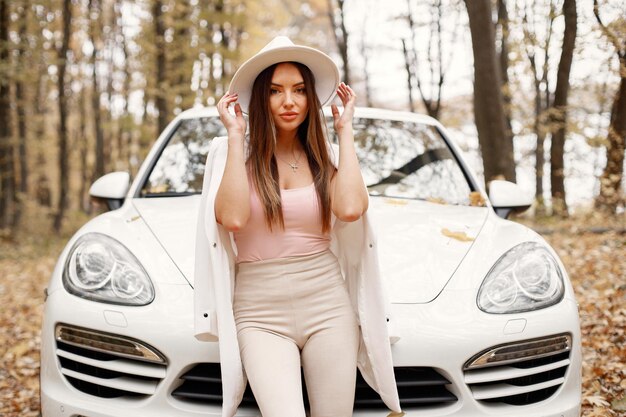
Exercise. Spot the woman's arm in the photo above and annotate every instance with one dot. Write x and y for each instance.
(349, 199)
(232, 202)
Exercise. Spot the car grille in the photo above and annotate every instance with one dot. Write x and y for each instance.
(106, 374)
(536, 372)
(417, 386)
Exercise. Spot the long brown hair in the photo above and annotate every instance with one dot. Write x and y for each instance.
(311, 134)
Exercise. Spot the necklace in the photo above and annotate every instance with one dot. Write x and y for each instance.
(292, 165)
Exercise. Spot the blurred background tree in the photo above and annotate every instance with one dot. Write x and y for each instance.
(532, 91)
(614, 30)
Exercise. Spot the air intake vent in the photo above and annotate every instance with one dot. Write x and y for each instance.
(527, 372)
(107, 374)
(417, 386)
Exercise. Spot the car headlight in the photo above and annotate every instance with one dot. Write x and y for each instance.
(525, 278)
(100, 268)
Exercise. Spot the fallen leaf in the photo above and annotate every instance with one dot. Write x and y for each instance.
(619, 404)
(457, 235)
(477, 199)
(20, 349)
(436, 200)
(396, 202)
(596, 400)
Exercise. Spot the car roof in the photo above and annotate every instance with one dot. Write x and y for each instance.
(367, 112)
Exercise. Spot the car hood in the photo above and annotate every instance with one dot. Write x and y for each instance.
(420, 243)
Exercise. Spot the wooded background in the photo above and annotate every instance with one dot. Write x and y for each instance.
(87, 85)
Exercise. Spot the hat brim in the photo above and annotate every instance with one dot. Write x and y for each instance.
(321, 65)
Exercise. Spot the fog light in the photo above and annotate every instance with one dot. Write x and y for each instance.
(108, 343)
(520, 351)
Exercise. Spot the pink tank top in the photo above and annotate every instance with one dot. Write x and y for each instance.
(303, 228)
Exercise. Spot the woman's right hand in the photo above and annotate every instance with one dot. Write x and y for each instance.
(235, 125)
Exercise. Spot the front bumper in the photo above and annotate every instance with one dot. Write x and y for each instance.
(167, 325)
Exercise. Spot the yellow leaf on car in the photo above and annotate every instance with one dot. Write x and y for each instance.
(457, 235)
(436, 200)
(396, 202)
(476, 199)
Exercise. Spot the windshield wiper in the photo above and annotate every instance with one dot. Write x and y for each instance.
(170, 194)
(428, 157)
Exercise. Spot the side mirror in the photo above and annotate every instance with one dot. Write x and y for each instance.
(111, 188)
(507, 197)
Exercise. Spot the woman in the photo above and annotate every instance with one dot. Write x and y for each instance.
(281, 200)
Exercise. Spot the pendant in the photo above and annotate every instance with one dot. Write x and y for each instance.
(293, 167)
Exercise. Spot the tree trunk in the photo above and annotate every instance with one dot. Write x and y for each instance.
(109, 46)
(496, 150)
(340, 34)
(409, 76)
(503, 23)
(542, 92)
(20, 107)
(182, 58)
(63, 157)
(161, 62)
(20, 100)
(430, 89)
(610, 181)
(7, 176)
(559, 118)
(225, 40)
(43, 194)
(540, 210)
(434, 103)
(126, 120)
(83, 147)
(94, 26)
(366, 75)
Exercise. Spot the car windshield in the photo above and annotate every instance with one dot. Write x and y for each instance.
(179, 169)
(399, 159)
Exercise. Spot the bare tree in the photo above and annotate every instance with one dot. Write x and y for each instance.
(123, 133)
(559, 110)
(160, 64)
(95, 12)
(502, 27)
(20, 97)
(336, 15)
(40, 105)
(365, 55)
(83, 149)
(409, 74)
(181, 59)
(537, 52)
(63, 115)
(7, 175)
(430, 90)
(497, 152)
(109, 50)
(610, 182)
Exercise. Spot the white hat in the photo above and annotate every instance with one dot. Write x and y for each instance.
(281, 49)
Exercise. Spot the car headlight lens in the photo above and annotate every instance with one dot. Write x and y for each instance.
(100, 268)
(525, 278)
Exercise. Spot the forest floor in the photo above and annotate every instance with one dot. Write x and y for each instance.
(592, 248)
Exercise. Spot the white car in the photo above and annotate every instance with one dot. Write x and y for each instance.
(485, 322)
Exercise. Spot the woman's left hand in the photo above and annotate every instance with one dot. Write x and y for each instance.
(348, 99)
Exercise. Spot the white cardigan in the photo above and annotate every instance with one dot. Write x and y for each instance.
(353, 243)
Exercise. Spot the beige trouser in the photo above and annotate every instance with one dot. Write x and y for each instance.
(291, 312)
